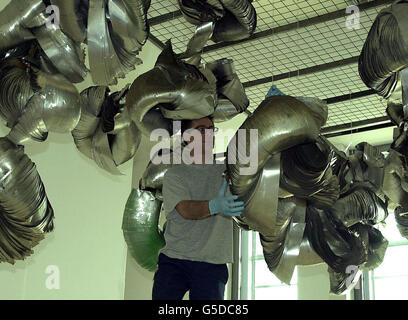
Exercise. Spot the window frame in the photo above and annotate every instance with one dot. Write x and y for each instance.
(249, 257)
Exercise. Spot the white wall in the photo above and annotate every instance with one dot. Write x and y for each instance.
(87, 245)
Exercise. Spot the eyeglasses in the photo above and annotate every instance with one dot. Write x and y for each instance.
(203, 128)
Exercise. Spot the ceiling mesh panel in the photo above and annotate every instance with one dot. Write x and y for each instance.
(289, 51)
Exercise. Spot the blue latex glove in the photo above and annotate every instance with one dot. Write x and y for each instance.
(225, 204)
(274, 91)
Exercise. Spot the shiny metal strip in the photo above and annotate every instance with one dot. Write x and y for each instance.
(404, 84)
(65, 54)
(70, 19)
(25, 212)
(196, 44)
(16, 18)
(103, 61)
(293, 241)
(261, 204)
(101, 152)
(399, 9)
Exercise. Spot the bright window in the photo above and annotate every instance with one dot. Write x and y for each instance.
(258, 282)
(390, 280)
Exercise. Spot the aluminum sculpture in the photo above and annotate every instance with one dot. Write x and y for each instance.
(40, 60)
(310, 202)
(234, 19)
(383, 66)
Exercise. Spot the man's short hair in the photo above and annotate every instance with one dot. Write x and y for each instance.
(186, 123)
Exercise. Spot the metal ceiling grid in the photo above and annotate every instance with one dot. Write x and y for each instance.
(355, 110)
(282, 52)
(276, 13)
(296, 49)
(324, 84)
(161, 7)
(295, 35)
(349, 111)
(256, 94)
(178, 30)
(286, 12)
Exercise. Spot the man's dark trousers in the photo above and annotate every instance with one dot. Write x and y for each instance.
(174, 277)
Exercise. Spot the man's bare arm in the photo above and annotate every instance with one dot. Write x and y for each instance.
(194, 209)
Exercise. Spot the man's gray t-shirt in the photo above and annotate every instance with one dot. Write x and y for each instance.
(208, 239)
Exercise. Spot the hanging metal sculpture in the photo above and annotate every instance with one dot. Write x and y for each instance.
(105, 133)
(40, 60)
(385, 52)
(383, 66)
(309, 202)
(25, 214)
(173, 90)
(114, 31)
(234, 19)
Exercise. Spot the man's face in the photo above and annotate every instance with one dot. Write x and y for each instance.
(206, 127)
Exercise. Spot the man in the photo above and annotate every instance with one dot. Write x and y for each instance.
(199, 225)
